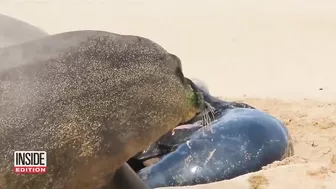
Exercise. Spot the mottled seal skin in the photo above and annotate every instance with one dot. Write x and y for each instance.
(14, 31)
(92, 100)
(241, 140)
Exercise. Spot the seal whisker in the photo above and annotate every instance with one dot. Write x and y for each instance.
(212, 113)
(210, 116)
(204, 122)
(209, 123)
(206, 118)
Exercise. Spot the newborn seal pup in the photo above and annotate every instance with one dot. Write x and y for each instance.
(14, 31)
(91, 100)
(241, 140)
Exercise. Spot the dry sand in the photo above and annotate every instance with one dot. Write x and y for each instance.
(278, 56)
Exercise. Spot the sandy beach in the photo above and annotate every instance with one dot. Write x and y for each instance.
(278, 56)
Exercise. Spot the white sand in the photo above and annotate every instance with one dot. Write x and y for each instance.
(272, 54)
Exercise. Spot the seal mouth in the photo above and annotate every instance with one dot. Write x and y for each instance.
(187, 126)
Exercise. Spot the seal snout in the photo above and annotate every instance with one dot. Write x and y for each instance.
(198, 97)
(203, 103)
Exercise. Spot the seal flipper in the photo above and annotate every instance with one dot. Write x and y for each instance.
(126, 178)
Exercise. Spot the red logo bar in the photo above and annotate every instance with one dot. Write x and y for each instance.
(30, 169)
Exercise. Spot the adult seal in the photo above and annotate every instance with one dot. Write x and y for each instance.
(91, 100)
(241, 139)
(14, 31)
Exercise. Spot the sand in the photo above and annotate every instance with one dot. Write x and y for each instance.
(278, 56)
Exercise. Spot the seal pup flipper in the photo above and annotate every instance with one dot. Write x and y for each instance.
(126, 178)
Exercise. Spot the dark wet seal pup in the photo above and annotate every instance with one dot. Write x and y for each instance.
(241, 140)
(92, 100)
(14, 31)
(179, 135)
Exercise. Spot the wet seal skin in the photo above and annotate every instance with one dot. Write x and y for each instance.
(242, 139)
(91, 100)
(14, 31)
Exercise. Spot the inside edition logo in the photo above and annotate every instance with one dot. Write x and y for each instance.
(30, 162)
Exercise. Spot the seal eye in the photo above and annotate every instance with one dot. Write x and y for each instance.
(179, 74)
